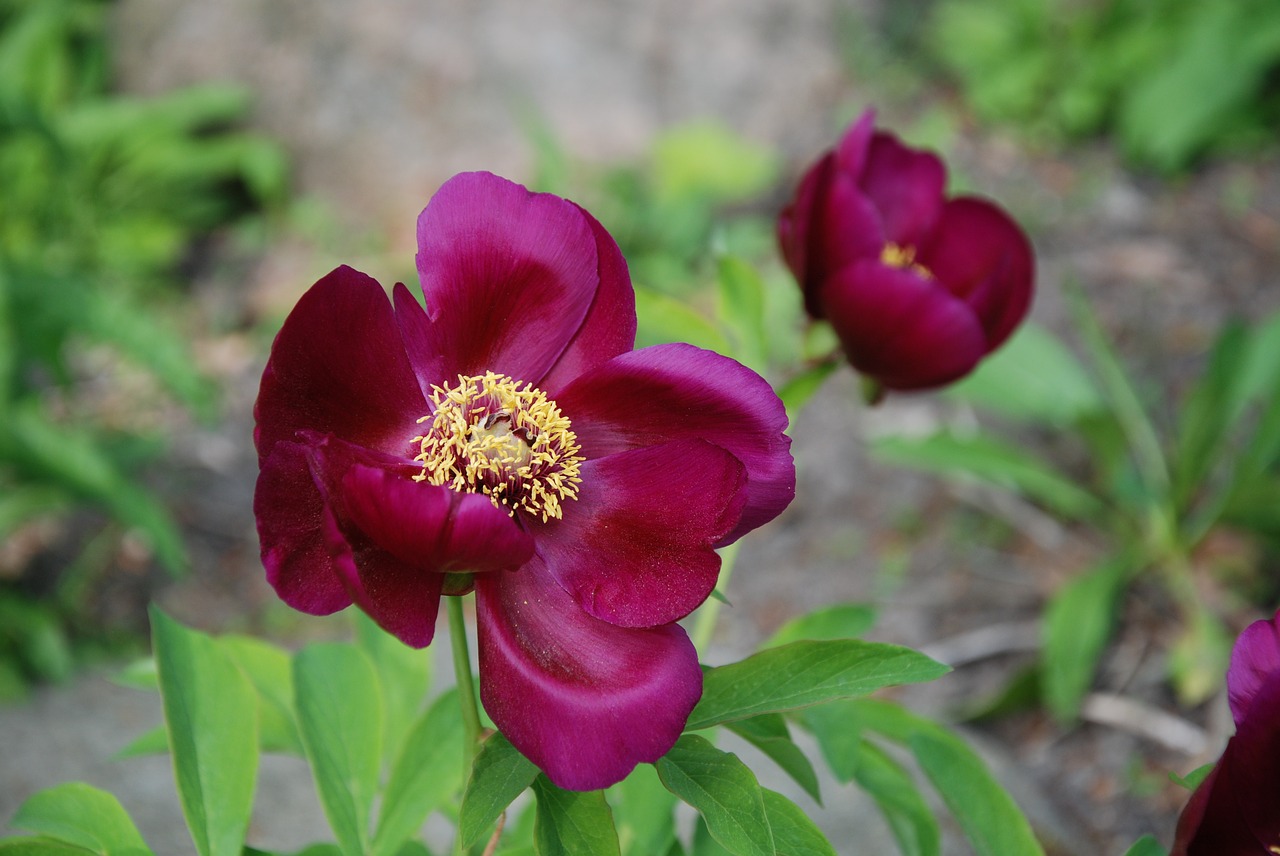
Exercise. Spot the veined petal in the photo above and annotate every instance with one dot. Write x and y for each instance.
(1255, 659)
(902, 328)
(401, 598)
(906, 187)
(508, 275)
(610, 325)
(583, 699)
(636, 548)
(338, 367)
(289, 509)
(984, 258)
(432, 529)
(671, 392)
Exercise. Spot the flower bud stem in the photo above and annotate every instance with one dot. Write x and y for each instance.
(466, 689)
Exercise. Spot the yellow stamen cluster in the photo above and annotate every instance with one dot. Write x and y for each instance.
(896, 255)
(489, 434)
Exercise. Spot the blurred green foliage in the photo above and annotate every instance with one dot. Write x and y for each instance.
(103, 195)
(1172, 79)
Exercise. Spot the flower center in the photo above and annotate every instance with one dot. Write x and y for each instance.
(489, 434)
(896, 255)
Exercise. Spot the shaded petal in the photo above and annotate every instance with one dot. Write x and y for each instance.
(610, 326)
(289, 510)
(418, 336)
(636, 548)
(796, 231)
(508, 275)
(401, 598)
(583, 699)
(852, 151)
(906, 186)
(1254, 660)
(432, 529)
(849, 229)
(338, 367)
(670, 392)
(1233, 811)
(983, 257)
(902, 328)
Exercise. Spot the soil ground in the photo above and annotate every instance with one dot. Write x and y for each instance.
(378, 101)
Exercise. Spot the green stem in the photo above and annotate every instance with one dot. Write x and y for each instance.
(705, 626)
(466, 693)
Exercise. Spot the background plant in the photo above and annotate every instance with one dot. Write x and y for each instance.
(103, 198)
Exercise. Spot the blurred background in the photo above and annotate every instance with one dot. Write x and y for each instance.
(174, 174)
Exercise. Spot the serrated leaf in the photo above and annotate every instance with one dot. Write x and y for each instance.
(770, 735)
(794, 833)
(904, 808)
(499, 775)
(993, 461)
(213, 734)
(83, 815)
(723, 791)
(339, 710)
(806, 673)
(427, 772)
(840, 621)
(1077, 626)
(572, 823)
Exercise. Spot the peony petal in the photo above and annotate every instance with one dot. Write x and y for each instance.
(610, 326)
(290, 509)
(1255, 659)
(983, 257)
(401, 598)
(670, 392)
(584, 700)
(418, 336)
(901, 328)
(796, 230)
(848, 229)
(636, 548)
(338, 367)
(508, 275)
(906, 187)
(432, 529)
(855, 145)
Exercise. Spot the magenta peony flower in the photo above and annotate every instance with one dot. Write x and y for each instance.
(1236, 810)
(918, 287)
(508, 439)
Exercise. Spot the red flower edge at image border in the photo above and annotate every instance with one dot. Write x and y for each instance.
(507, 439)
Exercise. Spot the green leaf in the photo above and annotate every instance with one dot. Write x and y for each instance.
(1147, 845)
(989, 817)
(740, 306)
(706, 160)
(1199, 657)
(1077, 626)
(806, 673)
(723, 790)
(794, 833)
(797, 391)
(153, 742)
(665, 319)
(643, 813)
(404, 674)
(839, 737)
(500, 774)
(769, 734)
(427, 772)
(213, 734)
(904, 808)
(573, 823)
(996, 462)
(83, 815)
(1205, 419)
(1192, 780)
(1032, 377)
(40, 847)
(339, 709)
(269, 669)
(841, 621)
